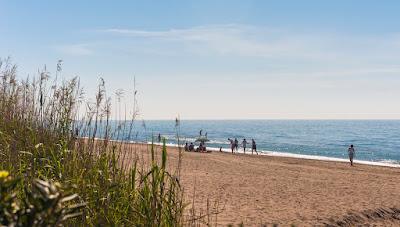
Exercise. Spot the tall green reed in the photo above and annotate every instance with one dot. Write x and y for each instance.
(40, 127)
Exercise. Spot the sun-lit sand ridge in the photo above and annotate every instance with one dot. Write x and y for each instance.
(263, 190)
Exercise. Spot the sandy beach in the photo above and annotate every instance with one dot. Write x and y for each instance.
(264, 190)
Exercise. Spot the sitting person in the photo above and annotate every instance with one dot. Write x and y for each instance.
(200, 148)
(203, 147)
(191, 147)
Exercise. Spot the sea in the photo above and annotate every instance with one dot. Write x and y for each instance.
(376, 142)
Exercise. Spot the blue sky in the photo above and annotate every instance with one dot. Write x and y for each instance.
(219, 59)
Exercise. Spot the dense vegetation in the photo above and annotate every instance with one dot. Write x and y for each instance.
(50, 176)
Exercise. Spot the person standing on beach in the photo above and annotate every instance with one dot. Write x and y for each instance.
(253, 146)
(236, 144)
(244, 143)
(159, 137)
(351, 152)
(232, 144)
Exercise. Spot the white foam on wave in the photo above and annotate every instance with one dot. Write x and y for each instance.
(324, 158)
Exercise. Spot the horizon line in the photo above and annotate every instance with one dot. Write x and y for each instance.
(270, 119)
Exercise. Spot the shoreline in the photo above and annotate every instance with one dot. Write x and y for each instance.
(271, 154)
(284, 155)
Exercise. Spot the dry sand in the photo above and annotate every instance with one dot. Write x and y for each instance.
(259, 190)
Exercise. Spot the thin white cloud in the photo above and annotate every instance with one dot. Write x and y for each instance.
(227, 39)
(75, 49)
(254, 41)
(199, 33)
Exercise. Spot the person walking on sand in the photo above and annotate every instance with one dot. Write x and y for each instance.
(351, 152)
(236, 144)
(253, 146)
(232, 144)
(244, 143)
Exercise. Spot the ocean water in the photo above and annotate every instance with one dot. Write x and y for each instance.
(374, 140)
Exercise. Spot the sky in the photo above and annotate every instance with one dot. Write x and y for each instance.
(225, 59)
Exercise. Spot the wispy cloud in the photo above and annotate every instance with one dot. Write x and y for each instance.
(258, 41)
(199, 33)
(75, 49)
(333, 51)
(226, 39)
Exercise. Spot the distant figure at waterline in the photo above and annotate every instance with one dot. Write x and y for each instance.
(253, 146)
(351, 152)
(236, 144)
(232, 144)
(244, 143)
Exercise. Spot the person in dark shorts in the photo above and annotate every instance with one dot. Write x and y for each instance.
(351, 152)
(236, 144)
(253, 146)
(244, 144)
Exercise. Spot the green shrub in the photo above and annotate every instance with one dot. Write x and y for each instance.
(44, 204)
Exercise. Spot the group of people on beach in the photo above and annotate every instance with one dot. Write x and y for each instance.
(200, 148)
(235, 145)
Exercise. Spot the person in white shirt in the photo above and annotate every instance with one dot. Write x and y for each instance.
(244, 143)
(351, 152)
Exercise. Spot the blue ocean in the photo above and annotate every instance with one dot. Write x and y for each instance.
(374, 140)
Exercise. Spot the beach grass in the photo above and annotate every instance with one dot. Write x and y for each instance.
(41, 122)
